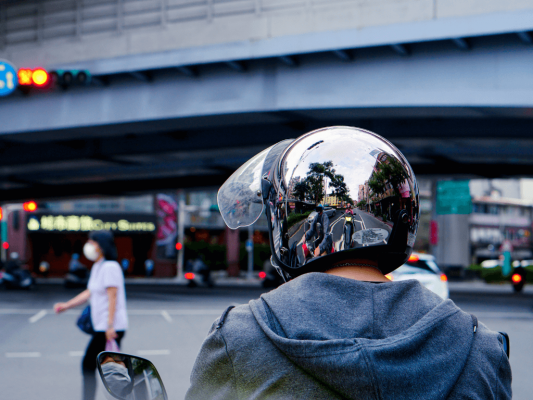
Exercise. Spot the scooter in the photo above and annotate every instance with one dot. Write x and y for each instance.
(17, 279)
(348, 230)
(197, 273)
(77, 277)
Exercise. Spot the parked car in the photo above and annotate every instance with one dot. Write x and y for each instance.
(424, 269)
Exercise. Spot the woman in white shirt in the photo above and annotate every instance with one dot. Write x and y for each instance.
(107, 296)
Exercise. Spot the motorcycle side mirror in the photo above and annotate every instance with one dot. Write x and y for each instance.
(127, 377)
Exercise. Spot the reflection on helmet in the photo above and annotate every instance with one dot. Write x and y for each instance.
(338, 167)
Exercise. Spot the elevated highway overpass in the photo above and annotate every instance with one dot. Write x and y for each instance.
(185, 92)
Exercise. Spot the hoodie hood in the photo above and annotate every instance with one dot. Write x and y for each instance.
(393, 340)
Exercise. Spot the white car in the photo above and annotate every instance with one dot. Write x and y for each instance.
(423, 268)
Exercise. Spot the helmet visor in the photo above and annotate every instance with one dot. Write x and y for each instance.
(240, 199)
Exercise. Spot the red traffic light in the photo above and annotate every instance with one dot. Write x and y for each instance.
(29, 206)
(38, 77)
(5, 245)
(179, 246)
(24, 76)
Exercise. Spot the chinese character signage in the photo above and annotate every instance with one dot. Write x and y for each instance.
(86, 223)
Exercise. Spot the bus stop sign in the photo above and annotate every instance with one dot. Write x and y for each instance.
(8, 78)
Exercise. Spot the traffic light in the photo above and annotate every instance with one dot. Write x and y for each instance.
(179, 246)
(29, 206)
(75, 77)
(38, 78)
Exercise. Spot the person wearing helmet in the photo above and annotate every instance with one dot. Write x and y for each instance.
(319, 228)
(349, 209)
(338, 328)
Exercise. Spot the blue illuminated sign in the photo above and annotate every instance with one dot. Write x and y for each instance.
(8, 78)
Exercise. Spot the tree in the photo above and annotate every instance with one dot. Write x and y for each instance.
(391, 172)
(301, 189)
(312, 187)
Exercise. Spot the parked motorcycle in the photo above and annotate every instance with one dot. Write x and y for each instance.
(77, 275)
(14, 276)
(127, 377)
(198, 273)
(270, 278)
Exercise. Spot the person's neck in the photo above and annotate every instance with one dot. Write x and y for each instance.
(359, 270)
(99, 259)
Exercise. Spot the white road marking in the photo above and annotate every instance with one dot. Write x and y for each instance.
(166, 315)
(14, 311)
(153, 352)
(37, 316)
(34, 354)
(76, 353)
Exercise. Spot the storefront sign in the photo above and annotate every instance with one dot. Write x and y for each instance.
(86, 223)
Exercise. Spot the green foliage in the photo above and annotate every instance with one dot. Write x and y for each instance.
(261, 254)
(294, 218)
(300, 190)
(312, 187)
(214, 254)
(494, 275)
(391, 172)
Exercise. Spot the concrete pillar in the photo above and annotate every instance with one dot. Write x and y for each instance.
(452, 251)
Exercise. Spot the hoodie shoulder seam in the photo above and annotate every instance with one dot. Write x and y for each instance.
(230, 361)
(496, 386)
(377, 391)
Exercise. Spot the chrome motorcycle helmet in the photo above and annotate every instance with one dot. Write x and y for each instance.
(329, 167)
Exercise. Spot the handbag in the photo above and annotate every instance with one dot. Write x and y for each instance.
(84, 321)
(112, 346)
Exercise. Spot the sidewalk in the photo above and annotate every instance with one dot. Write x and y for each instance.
(243, 282)
(482, 287)
(219, 281)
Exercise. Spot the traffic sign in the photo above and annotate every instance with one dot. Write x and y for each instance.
(8, 78)
(249, 245)
(453, 197)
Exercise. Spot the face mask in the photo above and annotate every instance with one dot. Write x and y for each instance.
(89, 250)
(116, 377)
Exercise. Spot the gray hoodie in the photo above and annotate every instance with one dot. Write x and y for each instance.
(321, 336)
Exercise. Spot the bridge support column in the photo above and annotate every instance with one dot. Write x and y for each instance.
(232, 255)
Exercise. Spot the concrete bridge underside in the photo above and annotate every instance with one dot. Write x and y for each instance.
(452, 111)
